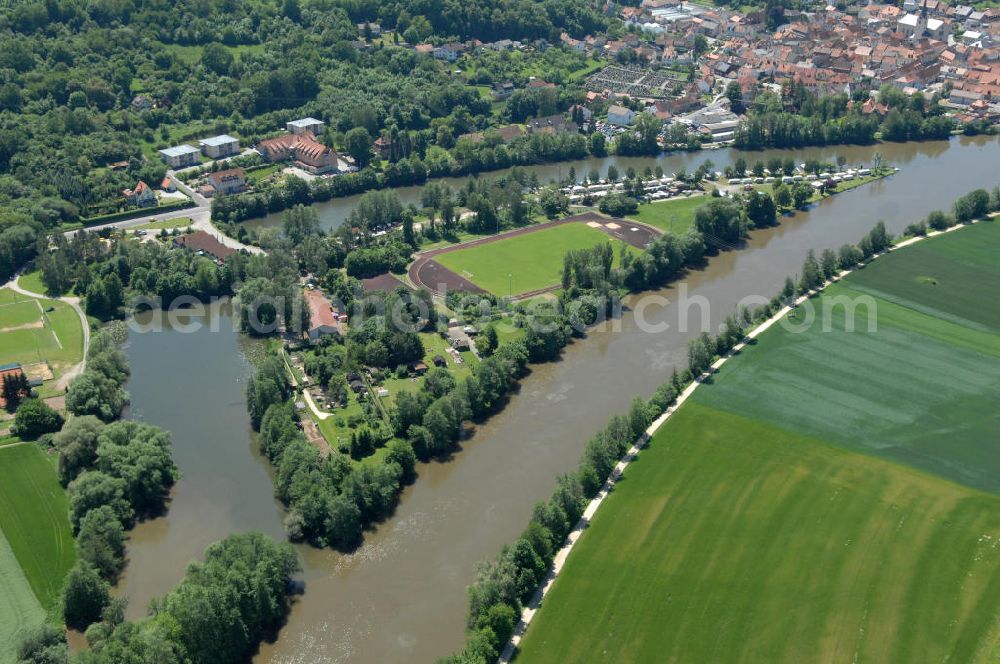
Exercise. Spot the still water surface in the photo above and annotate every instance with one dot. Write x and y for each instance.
(401, 596)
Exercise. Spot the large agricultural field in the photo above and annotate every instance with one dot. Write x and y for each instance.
(533, 260)
(36, 544)
(831, 496)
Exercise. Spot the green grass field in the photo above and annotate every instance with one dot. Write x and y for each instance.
(259, 174)
(180, 222)
(433, 345)
(15, 314)
(675, 215)
(829, 497)
(921, 390)
(734, 541)
(36, 544)
(19, 608)
(34, 516)
(533, 260)
(59, 339)
(32, 281)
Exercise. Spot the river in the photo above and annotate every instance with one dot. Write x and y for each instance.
(401, 596)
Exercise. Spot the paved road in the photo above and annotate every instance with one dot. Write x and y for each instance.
(200, 215)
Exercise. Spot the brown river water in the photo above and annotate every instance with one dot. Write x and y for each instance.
(401, 596)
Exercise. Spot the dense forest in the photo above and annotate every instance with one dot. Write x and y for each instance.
(90, 90)
(69, 72)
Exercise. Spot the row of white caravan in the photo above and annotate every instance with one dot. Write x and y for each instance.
(839, 176)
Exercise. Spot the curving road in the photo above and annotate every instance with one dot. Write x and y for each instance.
(73, 302)
(200, 215)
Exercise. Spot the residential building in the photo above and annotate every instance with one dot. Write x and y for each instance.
(503, 90)
(220, 146)
(142, 196)
(621, 116)
(383, 146)
(964, 97)
(322, 321)
(205, 244)
(552, 124)
(303, 149)
(310, 125)
(229, 181)
(449, 52)
(181, 156)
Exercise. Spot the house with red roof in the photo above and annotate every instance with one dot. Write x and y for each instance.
(303, 149)
(12, 370)
(229, 181)
(142, 196)
(322, 320)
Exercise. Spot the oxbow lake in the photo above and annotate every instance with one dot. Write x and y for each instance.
(401, 596)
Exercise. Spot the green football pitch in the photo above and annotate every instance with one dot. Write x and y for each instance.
(526, 262)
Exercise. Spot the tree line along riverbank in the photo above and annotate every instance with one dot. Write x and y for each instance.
(147, 267)
(333, 495)
(507, 592)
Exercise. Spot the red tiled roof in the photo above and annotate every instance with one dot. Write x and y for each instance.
(221, 176)
(202, 241)
(8, 371)
(320, 312)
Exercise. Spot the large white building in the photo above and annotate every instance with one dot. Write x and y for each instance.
(180, 156)
(220, 146)
(621, 116)
(311, 125)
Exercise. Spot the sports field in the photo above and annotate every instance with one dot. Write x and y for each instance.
(675, 215)
(37, 546)
(30, 333)
(830, 497)
(533, 260)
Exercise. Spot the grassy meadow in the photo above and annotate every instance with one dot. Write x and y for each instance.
(534, 260)
(32, 281)
(830, 496)
(36, 544)
(34, 517)
(168, 224)
(675, 215)
(19, 608)
(29, 333)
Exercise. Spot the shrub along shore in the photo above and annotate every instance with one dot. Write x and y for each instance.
(508, 590)
(116, 472)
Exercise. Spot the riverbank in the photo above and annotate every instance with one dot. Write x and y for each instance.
(463, 511)
(334, 212)
(356, 184)
(869, 410)
(560, 558)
